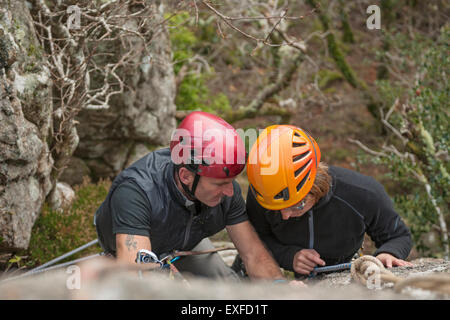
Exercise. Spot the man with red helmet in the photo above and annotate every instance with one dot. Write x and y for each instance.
(175, 198)
(311, 215)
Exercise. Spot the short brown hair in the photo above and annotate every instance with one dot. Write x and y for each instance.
(322, 183)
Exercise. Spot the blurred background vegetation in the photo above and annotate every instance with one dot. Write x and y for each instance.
(375, 100)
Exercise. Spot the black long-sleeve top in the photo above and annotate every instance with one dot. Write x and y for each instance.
(336, 224)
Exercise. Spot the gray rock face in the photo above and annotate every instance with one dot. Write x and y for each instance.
(25, 121)
(61, 197)
(137, 120)
(422, 267)
(75, 172)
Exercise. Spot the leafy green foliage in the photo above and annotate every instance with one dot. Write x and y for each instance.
(182, 39)
(189, 41)
(193, 94)
(422, 118)
(15, 259)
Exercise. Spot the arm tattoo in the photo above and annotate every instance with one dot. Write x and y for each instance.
(130, 242)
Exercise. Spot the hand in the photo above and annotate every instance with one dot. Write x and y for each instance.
(305, 260)
(390, 261)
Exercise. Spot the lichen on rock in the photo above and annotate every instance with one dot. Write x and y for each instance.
(25, 116)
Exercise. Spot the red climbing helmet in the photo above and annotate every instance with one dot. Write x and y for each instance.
(208, 145)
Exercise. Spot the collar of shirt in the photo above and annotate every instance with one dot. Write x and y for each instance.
(176, 193)
(325, 199)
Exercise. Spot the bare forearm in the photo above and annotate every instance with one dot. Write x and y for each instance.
(262, 266)
(128, 246)
(257, 260)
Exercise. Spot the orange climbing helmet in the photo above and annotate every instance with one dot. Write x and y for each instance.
(282, 166)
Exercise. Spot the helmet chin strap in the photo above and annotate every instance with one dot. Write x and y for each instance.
(190, 193)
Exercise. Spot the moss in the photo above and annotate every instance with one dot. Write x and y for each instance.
(339, 59)
(326, 77)
(34, 52)
(347, 35)
(336, 51)
(56, 233)
(19, 33)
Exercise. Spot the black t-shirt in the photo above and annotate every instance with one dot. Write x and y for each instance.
(130, 210)
(144, 200)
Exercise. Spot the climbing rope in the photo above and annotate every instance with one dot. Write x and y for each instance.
(175, 274)
(193, 253)
(370, 272)
(368, 269)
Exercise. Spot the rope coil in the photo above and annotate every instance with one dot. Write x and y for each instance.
(370, 272)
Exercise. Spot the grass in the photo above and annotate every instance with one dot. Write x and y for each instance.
(56, 233)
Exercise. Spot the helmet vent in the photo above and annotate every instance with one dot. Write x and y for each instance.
(297, 134)
(296, 144)
(299, 170)
(300, 156)
(300, 185)
(283, 194)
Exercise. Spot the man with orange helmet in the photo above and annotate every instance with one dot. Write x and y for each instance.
(175, 198)
(309, 214)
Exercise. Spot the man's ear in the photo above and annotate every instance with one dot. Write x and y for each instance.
(186, 176)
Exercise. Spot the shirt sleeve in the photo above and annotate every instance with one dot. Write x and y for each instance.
(283, 254)
(236, 212)
(130, 210)
(386, 228)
